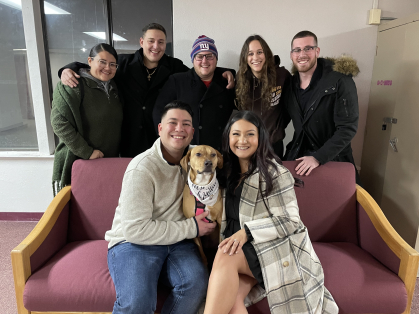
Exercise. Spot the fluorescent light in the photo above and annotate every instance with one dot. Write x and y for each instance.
(52, 9)
(19, 49)
(48, 7)
(83, 49)
(102, 36)
(118, 38)
(15, 4)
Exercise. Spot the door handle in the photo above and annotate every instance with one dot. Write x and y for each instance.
(393, 144)
(390, 120)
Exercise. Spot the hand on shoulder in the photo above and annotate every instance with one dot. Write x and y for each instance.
(69, 78)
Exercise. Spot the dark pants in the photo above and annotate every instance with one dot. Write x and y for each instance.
(136, 270)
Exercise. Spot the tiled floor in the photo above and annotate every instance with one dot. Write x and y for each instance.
(11, 234)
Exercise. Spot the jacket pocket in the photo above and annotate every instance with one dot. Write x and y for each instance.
(307, 261)
(344, 109)
(279, 265)
(345, 106)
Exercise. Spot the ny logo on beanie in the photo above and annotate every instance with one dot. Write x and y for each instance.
(203, 43)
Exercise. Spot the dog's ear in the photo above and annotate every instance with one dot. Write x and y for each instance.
(219, 159)
(185, 160)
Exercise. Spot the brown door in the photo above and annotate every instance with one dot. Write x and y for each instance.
(390, 171)
(400, 200)
(381, 105)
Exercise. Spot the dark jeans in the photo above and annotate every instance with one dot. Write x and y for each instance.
(136, 269)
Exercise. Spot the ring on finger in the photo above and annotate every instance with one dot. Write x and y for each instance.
(234, 240)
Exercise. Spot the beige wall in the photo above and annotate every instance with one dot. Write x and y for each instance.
(25, 182)
(341, 27)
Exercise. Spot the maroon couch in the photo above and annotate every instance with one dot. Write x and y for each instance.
(62, 266)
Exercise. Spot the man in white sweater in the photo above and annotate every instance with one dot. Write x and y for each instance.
(150, 237)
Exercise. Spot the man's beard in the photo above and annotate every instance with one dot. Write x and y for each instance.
(307, 66)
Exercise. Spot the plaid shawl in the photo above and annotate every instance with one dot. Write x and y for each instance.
(292, 273)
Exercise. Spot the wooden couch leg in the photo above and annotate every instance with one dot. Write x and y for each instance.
(21, 272)
(408, 272)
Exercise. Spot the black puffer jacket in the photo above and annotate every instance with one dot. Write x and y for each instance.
(330, 122)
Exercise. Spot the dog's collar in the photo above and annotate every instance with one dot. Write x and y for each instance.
(206, 194)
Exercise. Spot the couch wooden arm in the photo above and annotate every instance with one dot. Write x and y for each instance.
(409, 257)
(21, 254)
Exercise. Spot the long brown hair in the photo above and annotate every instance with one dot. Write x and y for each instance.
(261, 160)
(230, 175)
(245, 75)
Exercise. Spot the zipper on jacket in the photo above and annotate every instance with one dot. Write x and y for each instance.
(309, 108)
(322, 97)
(108, 94)
(253, 100)
(346, 108)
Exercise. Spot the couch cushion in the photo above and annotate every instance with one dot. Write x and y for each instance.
(358, 282)
(91, 216)
(327, 202)
(76, 279)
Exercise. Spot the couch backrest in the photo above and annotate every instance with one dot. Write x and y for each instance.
(95, 189)
(327, 201)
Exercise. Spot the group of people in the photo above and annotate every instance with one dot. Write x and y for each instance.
(151, 107)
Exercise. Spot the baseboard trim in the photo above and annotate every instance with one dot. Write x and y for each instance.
(20, 216)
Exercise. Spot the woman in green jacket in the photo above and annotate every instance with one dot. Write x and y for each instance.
(88, 118)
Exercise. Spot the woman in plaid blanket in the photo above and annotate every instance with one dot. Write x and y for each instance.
(266, 251)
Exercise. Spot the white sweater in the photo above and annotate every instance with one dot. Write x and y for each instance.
(149, 210)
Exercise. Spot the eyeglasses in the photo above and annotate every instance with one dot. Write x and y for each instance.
(306, 49)
(103, 64)
(209, 56)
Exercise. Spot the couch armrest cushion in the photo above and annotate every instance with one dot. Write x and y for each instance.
(371, 241)
(55, 240)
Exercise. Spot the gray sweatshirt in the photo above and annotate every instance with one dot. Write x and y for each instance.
(149, 210)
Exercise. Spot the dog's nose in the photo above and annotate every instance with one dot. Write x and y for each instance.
(208, 163)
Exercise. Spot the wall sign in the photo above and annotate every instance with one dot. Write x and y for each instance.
(386, 82)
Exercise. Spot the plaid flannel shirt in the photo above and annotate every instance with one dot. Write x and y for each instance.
(292, 273)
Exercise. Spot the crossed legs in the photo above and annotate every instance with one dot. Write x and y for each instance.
(230, 281)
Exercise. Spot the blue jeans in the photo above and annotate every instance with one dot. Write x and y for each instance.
(136, 269)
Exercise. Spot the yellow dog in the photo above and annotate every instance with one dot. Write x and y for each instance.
(202, 188)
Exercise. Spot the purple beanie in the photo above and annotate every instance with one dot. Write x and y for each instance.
(203, 43)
